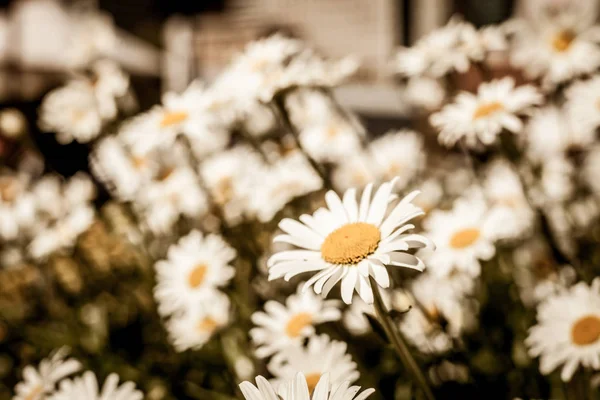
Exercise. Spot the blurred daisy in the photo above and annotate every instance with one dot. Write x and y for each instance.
(549, 134)
(193, 328)
(582, 100)
(282, 326)
(559, 50)
(108, 83)
(349, 242)
(290, 177)
(320, 356)
(298, 389)
(194, 267)
(557, 180)
(398, 155)
(568, 330)
(307, 107)
(481, 117)
(417, 86)
(463, 236)
(330, 140)
(85, 387)
(431, 194)
(39, 382)
(17, 206)
(71, 111)
(355, 319)
(355, 171)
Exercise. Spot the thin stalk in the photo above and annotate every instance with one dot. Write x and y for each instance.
(399, 344)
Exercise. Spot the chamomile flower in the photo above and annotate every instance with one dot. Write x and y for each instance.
(463, 236)
(557, 181)
(194, 267)
(109, 83)
(549, 134)
(298, 389)
(582, 106)
(558, 50)
(320, 356)
(85, 387)
(398, 155)
(567, 332)
(39, 382)
(355, 171)
(349, 242)
(200, 321)
(330, 140)
(481, 117)
(17, 206)
(283, 325)
(71, 111)
(415, 89)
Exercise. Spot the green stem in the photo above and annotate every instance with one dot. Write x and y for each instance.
(399, 344)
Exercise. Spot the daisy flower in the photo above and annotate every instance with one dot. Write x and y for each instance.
(109, 82)
(349, 242)
(417, 86)
(194, 267)
(200, 321)
(355, 171)
(320, 356)
(17, 206)
(582, 100)
(549, 134)
(557, 181)
(85, 387)
(568, 330)
(398, 155)
(558, 50)
(481, 117)
(72, 113)
(354, 317)
(298, 389)
(330, 140)
(463, 236)
(41, 381)
(281, 326)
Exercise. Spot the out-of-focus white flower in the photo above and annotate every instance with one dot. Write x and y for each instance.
(298, 390)
(591, 167)
(259, 120)
(307, 107)
(109, 82)
(582, 107)
(398, 155)
(320, 356)
(175, 192)
(424, 93)
(17, 206)
(281, 326)
(349, 242)
(71, 111)
(330, 140)
(290, 177)
(193, 328)
(557, 183)
(463, 236)
(481, 117)
(12, 123)
(39, 382)
(194, 268)
(431, 194)
(567, 332)
(354, 317)
(355, 171)
(556, 50)
(85, 387)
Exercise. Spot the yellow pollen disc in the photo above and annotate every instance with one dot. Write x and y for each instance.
(562, 41)
(207, 324)
(196, 277)
(8, 190)
(297, 323)
(139, 162)
(332, 131)
(350, 243)
(586, 330)
(464, 238)
(35, 393)
(312, 380)
(487, 109)
(224, 190)
(173, 118)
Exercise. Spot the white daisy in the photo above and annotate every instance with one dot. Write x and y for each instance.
(431, 194)
(85, 387)
(194, 267)
(424, 93)
(71, 111)
(481, 117)
(289, 177)
(557, 51)
(109, 83)
(17, 206)
(282, 326)
(549, 134)
(568, 330)
(355, 171)
(463, 236)
(320, 356)
(398, 155)
(591, 167)
(350, 242)
(330, 140)
(354, 317)
(298, 390)
(41, 381)
(195, 327)
(582, 106)
(307, 107)
(557, 181)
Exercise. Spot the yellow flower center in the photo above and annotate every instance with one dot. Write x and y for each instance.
(207, 324)
(35, 393)
(586, 330)
(486, 109)
(464, 238)
(332, 131)
(297, 323)
(312, 380)
(350, 243)
(196, 277)
(172, 118)
(562, 40)
(224, 191)
(8, 190)
(139, 162)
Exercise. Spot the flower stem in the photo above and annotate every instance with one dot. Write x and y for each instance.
(399, 344)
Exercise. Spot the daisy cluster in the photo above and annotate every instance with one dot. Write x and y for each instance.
(43, 215)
